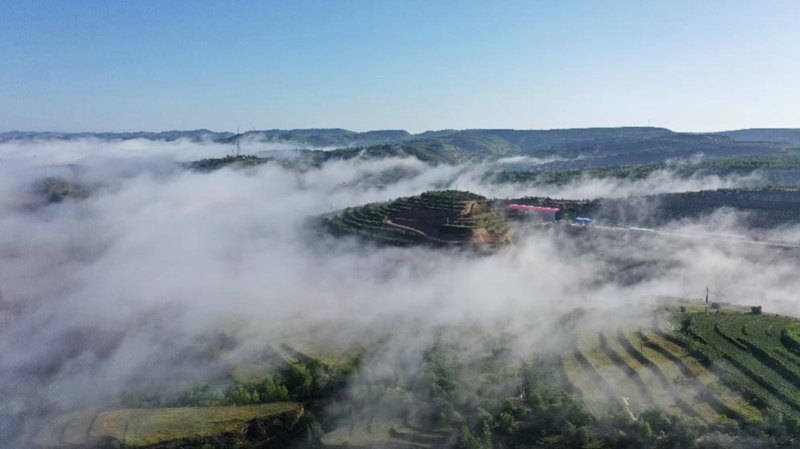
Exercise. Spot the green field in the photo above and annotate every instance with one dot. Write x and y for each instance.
(747, 352)
(146, 427)
(719, 364)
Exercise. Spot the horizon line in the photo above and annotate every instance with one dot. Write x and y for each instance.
(315, 128)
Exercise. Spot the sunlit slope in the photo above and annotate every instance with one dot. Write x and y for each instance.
(749, 353)
(147, 427)
(193, 426)
(716, 366)
(382, 432)
(448, 217)
(712, 364)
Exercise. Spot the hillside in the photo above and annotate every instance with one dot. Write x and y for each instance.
(712, 363)
(589, 148)
(762, 208)
(442, 218)
(788, 135)
(617, 378)
(179, 427)
(193, 135)
(681, 374)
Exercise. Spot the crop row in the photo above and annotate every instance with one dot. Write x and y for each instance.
(741, 368)
(760, 346)
(682, 378)
(350, 225)
(773, 335)
(790, 337)
(712, 358)
(633, 375)
(613, 373)
(712, 370)
(649, 370)
(693, 374)
(633, 371)
(678, 396)
(421, 202)
(586, 380)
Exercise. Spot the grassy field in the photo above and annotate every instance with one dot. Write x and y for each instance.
(694, 373)
(730, 365)
(747, 351)
(145, 427)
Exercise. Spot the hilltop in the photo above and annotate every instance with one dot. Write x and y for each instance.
(446, 217)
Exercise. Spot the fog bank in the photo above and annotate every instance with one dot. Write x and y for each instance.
(122, 290)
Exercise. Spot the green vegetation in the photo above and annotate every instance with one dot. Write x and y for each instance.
(448, 217)
(193, 426)
(628, 152)
(726, 375)
(304, 379)
(713, 166)
(765, 207)
(790, 337)
(267, 409)
(730, 372)
(211, 164)
(535, 407)
(748, 352)
(56, 189)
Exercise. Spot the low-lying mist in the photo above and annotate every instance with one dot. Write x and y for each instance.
(117, 291)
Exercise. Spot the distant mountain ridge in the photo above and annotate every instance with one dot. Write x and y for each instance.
(596, 147)
(523, 137)
(342, 135)
(195, 135)
(787, 135)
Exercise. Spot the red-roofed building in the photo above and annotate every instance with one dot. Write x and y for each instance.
(528, 211)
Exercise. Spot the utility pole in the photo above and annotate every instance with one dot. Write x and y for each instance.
(238, 145)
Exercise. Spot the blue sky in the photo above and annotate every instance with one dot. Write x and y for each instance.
(91, 66)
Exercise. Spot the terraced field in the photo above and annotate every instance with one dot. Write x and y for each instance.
(175, 425)
(447, 217)
(751, 354)
(147, 427)
(716, 366)
(712, 380)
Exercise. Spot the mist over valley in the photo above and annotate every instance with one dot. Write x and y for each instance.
(418, 291)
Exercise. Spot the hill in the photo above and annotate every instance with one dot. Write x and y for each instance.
(573, 149)
(787, 135)
(334, 137)
(193, 135)
(679, 378)
(712, 363)
(612, 379)
(761, 208)
(442, 218)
